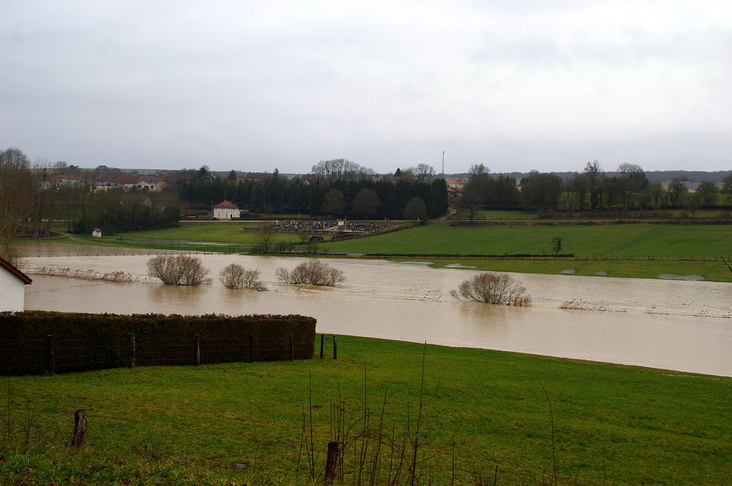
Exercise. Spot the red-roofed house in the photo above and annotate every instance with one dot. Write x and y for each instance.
(127, 182)
(151, 183)
(12, 287)
(226, 210)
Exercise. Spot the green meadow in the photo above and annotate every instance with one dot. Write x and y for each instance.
(584, 241)
(621, 250)
(213, 232)
(485, 416)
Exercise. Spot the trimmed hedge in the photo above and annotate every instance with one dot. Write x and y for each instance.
(42, 342)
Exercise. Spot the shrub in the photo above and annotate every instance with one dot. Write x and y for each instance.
(491, 288)
(178, 270)
(235, 276)
(311, 272)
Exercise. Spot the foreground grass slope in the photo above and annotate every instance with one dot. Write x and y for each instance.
(484, 410)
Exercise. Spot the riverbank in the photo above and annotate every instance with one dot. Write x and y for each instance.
(642, 250)
(484, 415)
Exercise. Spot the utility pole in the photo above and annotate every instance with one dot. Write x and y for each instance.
(443, 162)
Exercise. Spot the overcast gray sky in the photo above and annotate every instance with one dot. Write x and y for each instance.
(257, 85)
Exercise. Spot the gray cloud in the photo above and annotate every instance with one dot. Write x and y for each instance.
(261, 85)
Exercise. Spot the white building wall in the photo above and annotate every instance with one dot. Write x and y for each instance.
(12, 292)
(225, 213)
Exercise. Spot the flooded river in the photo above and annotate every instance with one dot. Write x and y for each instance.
(675, 325)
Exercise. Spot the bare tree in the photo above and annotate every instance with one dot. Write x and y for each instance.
(264, 236)
(235, 276)
(18, 191)
(492, 288)
(557, 244)
(340, 169)
(311, 272)
(178, 270)
(479, 169)
(692, 202)
(707, 192)
(577, 187)
(423, 173)
(635, 173)
(658, 193)
(727, 188)
(467, 205)
(676, 190)
(594, 175)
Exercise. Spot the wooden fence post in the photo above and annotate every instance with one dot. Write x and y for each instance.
(331, 463)
(133, 350)
(79, 438)
(198, 349)
(335, 347)
(322, 345)
(51, 362)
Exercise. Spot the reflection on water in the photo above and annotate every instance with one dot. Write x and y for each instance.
(685, 326)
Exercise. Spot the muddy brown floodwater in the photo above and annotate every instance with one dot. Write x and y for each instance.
(675, 325)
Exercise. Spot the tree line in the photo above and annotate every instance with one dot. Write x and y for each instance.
(30, 201)
(316, 195)
(115, 210)
(589, 190)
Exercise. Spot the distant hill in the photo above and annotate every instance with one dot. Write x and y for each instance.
(653, 176)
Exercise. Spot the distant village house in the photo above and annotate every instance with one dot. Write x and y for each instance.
(226, 210)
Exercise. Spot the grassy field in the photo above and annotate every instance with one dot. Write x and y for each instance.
(585, 241)
(214, 232)
(484, 413)
(628, 250)
(683, 214)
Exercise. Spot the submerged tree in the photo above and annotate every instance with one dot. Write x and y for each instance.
(235, 276)
(492, 288)
(311, 272)
(178, 270)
